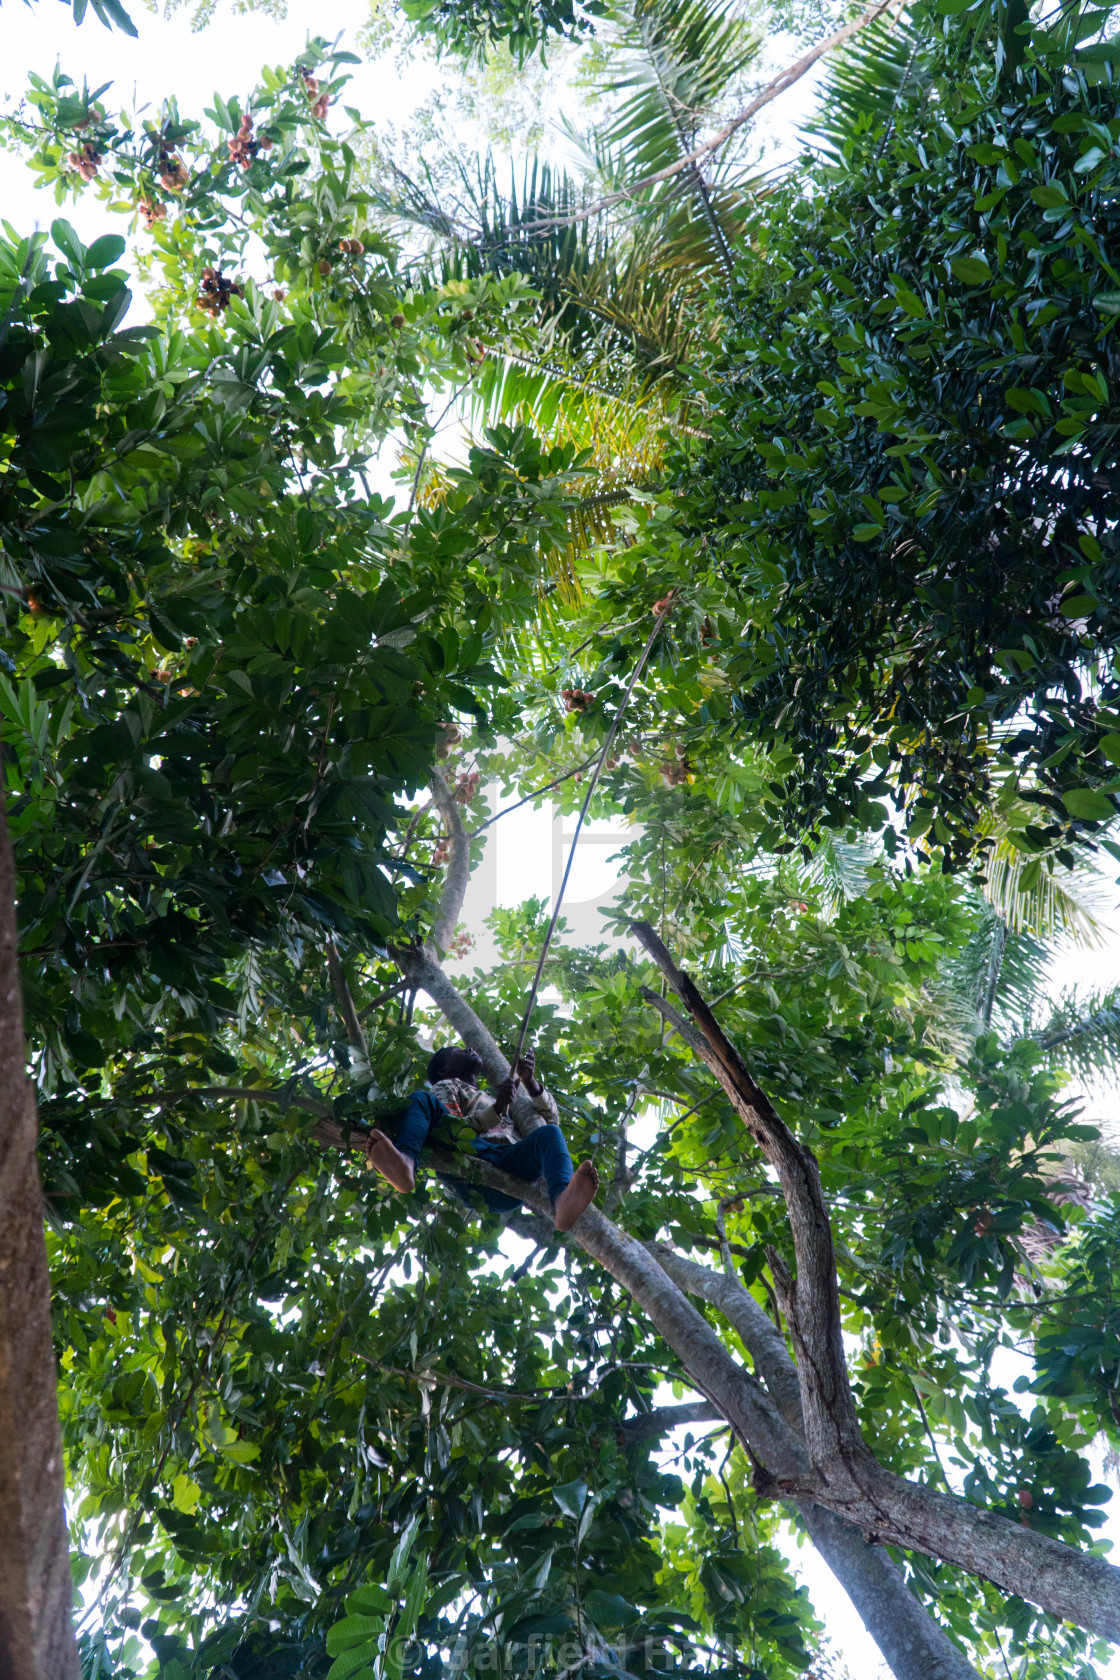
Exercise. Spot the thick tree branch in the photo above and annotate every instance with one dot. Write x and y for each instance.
(1074, 1585)
(811, 1302)
(912, 1643)
(240, 1093)
(649, 1426)
(36, 1632)
(458, 871)
(761, 1339)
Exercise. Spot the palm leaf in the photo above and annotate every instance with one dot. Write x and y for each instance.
(883, 67)
(1083, 1033)
(1049, 902)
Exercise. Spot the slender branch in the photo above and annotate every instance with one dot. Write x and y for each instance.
(346, 1005)
(791, 74)
(239, 1093)
(439, 1380)
(536, 794)
(410, 832)
(811, 1303)
(367, 1009)
(622, 1180)
(458, 871)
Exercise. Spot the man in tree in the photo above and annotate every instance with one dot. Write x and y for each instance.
(460, 1116)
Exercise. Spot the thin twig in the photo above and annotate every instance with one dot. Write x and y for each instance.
(591, 786)
(791, 74)
(536, 794)
(382, 997)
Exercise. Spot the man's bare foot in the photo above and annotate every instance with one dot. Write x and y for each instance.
(383, 1154)
(576, 1196)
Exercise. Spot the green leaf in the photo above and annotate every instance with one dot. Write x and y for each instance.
(111, 11)
(240, 1452)
(352, 1632)
(66, 238)
(185, 1494)
(1078, 606)
(609, 1610)
(351, 1663)
(974, 271)
(571, 1498)
(105, 251)
(1089, 805)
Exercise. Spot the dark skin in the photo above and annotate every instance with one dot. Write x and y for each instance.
(464, 1064)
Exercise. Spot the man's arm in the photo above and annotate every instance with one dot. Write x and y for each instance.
(542, 1100)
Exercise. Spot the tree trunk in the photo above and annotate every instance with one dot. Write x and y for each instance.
(1076, 1586)
(913, 1644)
(36, 1634)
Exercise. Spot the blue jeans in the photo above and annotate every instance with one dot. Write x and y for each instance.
(543, 1154)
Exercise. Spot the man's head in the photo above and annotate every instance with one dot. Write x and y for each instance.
(455, 1062)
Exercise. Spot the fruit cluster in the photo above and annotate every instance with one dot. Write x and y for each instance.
(85, 161)
(215, 292)
(442, 852)
(152, 210)
(243, 148)
(467, 786)
(452, 735)
(174, 174)
(576, 699)
(676, 770)
(352, 247)
(320, 102)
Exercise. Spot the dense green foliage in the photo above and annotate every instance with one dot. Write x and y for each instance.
(911, 480)
(525, 26)
(315, 1428)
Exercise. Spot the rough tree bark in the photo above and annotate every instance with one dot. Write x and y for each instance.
(36, 1635)
(765, 1414)
(845, 1476)
(796, 1420)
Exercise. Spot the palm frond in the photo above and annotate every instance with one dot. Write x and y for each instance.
(672, 65)
(1083, 1033)
(999, 973)
(839, 869)
(882, 67)
(1031, 895)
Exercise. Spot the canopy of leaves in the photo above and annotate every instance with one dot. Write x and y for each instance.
(314, 1428)
(910, 476)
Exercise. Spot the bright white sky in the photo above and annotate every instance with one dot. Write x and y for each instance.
(226, 57)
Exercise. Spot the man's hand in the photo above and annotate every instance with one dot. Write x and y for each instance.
(503, 1096)
(526, 1067)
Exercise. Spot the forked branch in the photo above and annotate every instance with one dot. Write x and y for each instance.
(811, 1302)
